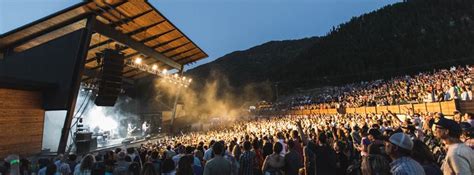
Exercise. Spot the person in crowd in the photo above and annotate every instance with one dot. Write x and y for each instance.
(258, 156)
(467, 134)
(228, 156)
(185, 165)
(134, 168)
(11, 165)
(148, 169)
(247, 160)
(168, 167)
(365, 142)
(199, 155)
(459, 157)
(51, 169)
(375, 163)
(25, 166)
(342, 161)
(469, 118)
(236, 152)
(398, 147)
(274, 163)
(293, 159)
(325, 156)
(181, 153)
(423, 155)
(267, 146)
(155, 161)
(217, 165)
(121, 166)
(86, 165)
(208, 154)
(71, 161)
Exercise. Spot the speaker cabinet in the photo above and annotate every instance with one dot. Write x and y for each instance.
(110, 83)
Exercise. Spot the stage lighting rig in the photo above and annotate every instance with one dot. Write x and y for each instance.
(154, 69)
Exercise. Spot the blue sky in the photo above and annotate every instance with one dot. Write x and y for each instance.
(222, 26)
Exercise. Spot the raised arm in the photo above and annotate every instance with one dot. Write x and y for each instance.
(300, 130)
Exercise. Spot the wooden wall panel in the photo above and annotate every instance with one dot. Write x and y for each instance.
(419, 108)
(395, 109)
(448, 107)
(433, 107)
(351, 110)
(360, 110)
(21, 122)
(332, 111)
(381, 109)
(371, 109)
(466, 106)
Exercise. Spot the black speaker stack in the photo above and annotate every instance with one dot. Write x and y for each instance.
(83, 142)
(110, 84)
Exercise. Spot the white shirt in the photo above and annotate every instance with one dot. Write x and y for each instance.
(459, 160)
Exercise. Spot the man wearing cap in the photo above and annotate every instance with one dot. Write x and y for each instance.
(399, 147)
(459, 158)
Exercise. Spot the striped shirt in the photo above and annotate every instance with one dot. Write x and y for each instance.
(247, 163)
(406, 166)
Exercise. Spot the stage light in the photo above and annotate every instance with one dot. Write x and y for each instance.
(138, 60)
(137, 63)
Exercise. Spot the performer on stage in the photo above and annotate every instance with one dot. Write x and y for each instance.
(130, 129)
(145, 127)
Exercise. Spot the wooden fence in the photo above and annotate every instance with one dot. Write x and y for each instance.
(445, 107)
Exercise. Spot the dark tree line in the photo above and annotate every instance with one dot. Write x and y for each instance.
(403, 38)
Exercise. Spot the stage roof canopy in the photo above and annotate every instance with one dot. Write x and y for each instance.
(136, 19)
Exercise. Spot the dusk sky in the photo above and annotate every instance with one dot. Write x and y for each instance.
(220, 27)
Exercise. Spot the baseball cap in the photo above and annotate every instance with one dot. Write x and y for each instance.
(450, 125)
(374, 132)
(401, 140)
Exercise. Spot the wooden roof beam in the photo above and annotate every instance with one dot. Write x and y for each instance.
(140, 47)
(167, 42)
(129, 19)
(134, 32)
(174, 48)
(186, 57)
(156, 36)
(179, 53)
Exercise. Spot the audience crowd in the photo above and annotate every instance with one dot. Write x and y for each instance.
(367, 144)
(316, 144)
(436, 86)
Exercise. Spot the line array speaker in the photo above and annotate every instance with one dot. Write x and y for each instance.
(111, 79)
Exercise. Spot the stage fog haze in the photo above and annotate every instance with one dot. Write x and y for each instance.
(213, 97)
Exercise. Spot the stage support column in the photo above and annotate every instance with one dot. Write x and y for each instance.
(173, 115)
(76, 81)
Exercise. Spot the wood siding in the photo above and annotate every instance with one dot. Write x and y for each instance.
(21, 122)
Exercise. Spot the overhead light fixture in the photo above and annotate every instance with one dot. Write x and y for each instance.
(153, 69)
(138, 60)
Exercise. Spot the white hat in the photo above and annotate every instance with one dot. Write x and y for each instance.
(401, 140)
